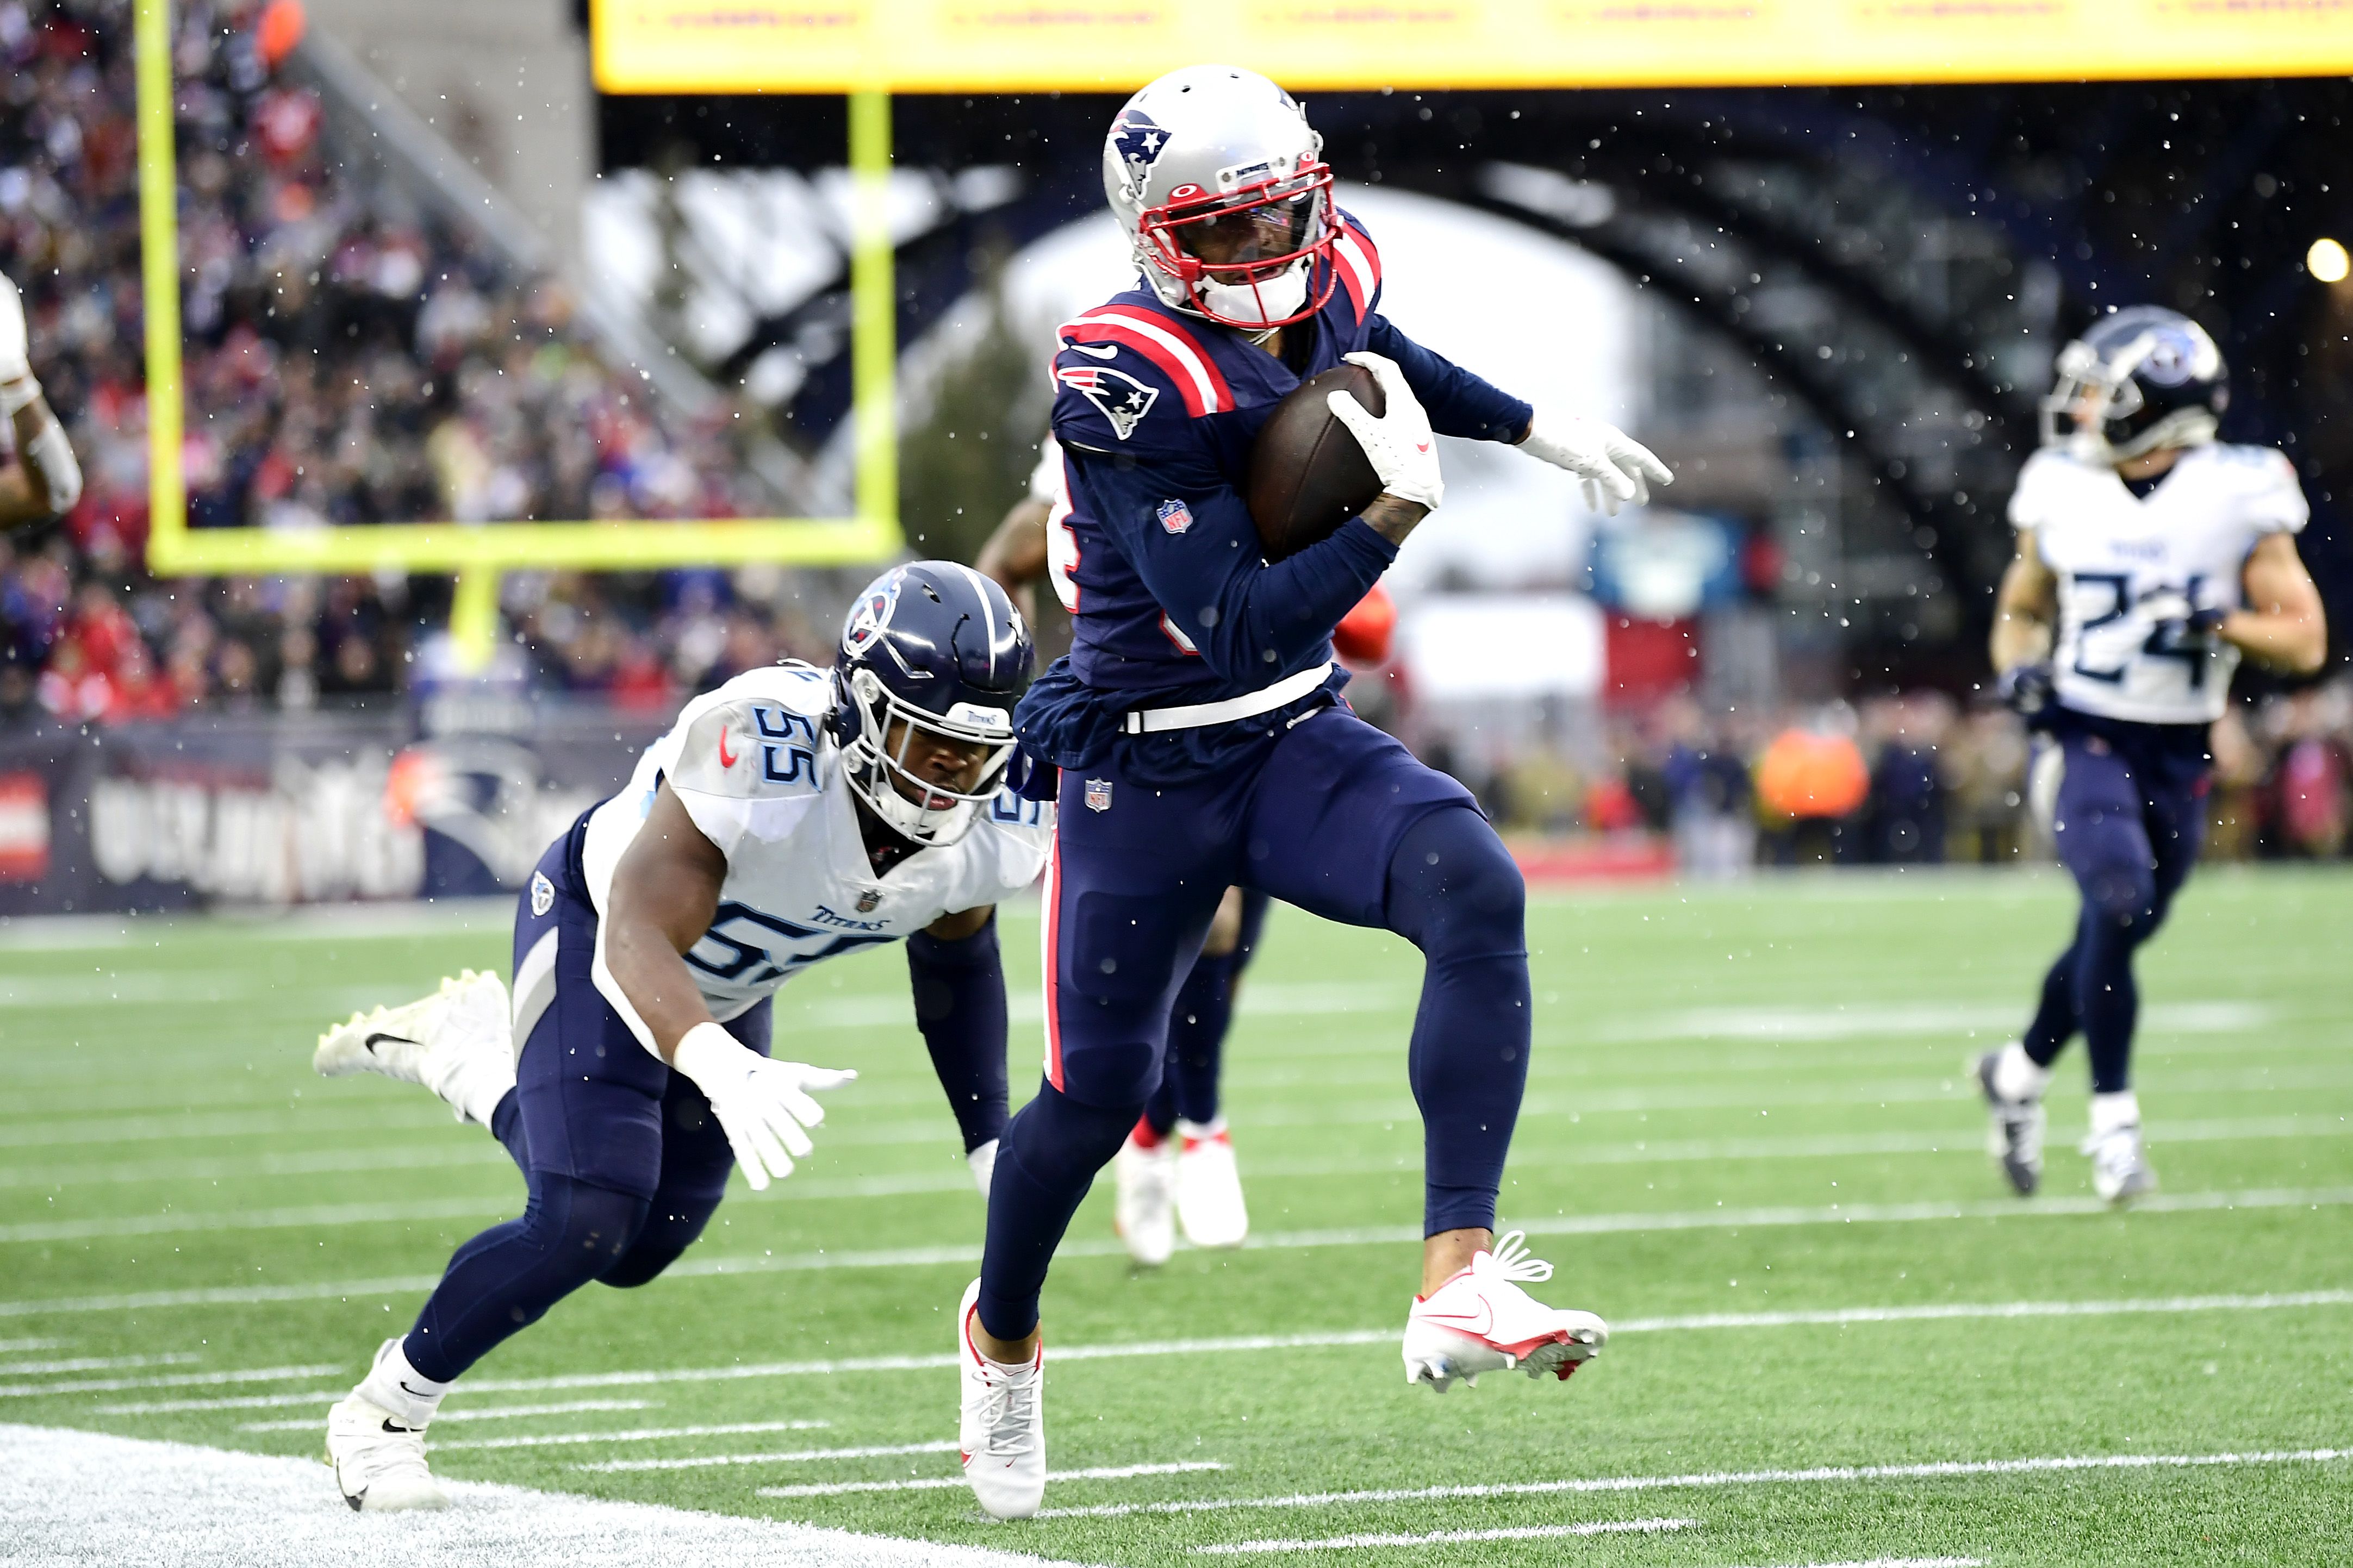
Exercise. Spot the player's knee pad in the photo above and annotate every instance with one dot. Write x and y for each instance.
(1454, 889)
(583, 1229)
(1114, 1077)
(673, 1223)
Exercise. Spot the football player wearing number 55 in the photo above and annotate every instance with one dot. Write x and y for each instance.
(792, 815)
(45, 479)
(2151, 558)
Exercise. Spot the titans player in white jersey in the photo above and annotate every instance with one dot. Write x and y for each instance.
(792, 814)
(2151, 558)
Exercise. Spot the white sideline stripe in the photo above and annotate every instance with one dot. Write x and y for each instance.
(250, 1124)
(321, 1397)
(1717, 1479)
(170, 1380)
(322, 1215)
(95, 1364)
(1829, 1317)
(1439, 1537)
(507, 1413)
(944, 1483)
(1635, 1222)
(309, 1162)
(635, 1434)
(34, 1344)
(90, 1498)
(796, 1457)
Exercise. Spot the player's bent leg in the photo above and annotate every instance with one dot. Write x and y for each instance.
(496, 1284)
(457, 1042)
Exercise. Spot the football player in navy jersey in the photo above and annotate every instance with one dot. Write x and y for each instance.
(2150, 557)
(1202, 743)
(793, 815)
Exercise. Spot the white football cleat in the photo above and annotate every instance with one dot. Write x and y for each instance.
(2014, 1138)
(1145, 1214)
(459, 1042)
(1002, 1435)
(1209, 1205)
(2120, 1167)
(379, 1463)
(1481, 1320)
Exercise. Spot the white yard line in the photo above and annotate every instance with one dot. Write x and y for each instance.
(88, 1498)
(1945, 1469)
(1939, 1311)
(325, 1397)
(795, 1457)
(170, 1380)
(321, 1397)
(1635, 1221)
(947, 1483)
(636, 1434)
(36, 1344)
(326, 1216)
(95, 1364)
(954, 1178)
(1439, 1536)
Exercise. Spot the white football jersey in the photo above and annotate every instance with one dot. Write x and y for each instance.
(756, 769)
(2125, 561)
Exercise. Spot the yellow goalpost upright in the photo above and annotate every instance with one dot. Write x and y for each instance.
(478, 553)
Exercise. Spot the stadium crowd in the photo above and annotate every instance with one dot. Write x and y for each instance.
(347, 360)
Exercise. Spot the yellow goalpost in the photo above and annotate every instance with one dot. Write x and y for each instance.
(478, 553)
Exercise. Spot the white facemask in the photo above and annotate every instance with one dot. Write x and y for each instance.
(1261, 304)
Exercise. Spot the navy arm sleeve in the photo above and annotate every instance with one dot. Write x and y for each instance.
(959, 990)
(1457, 403)
(1252, 622)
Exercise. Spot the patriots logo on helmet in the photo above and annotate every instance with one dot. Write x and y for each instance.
(871, 616)
(1117, 395)
(1139, 143)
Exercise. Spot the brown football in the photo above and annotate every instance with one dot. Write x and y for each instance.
(1307, 474)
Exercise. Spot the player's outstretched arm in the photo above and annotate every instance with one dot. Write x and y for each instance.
(665, 891)
(1615, 467)
(46, 479)
(958, 977)
(2282, 624)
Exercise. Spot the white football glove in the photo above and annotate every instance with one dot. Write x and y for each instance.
(1399, 444)
(983, 1161)
(1616, 468)
(762, 1105)
(15, 362)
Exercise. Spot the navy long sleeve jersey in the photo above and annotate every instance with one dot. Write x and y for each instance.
(1152, 549)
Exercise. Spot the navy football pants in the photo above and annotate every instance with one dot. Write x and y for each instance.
(623, 1161)
(2129, 836)
(1338, 819)
(1196, 1028)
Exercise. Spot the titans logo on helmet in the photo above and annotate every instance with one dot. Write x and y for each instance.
(871, 616)
(1119, 396)
(1139, 143)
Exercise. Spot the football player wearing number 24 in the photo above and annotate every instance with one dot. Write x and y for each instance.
(1202, 742)
(2150, 557)
(793, 815)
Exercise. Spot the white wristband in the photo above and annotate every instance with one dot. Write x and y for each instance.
(707, 1049)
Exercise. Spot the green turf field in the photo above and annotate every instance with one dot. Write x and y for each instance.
(1746, 1143)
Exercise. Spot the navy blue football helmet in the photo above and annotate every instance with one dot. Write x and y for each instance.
(2140, 379)
(930, 647)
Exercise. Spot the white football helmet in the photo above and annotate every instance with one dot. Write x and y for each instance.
(1220, 182)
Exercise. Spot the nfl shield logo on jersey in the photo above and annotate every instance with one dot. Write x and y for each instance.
(1174, 515)
(542, 895)
(867, 900)
(1099, 795)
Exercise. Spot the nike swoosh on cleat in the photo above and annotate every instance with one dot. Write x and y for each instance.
(396, 1039)
(390, 1427)
(405, 1389)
